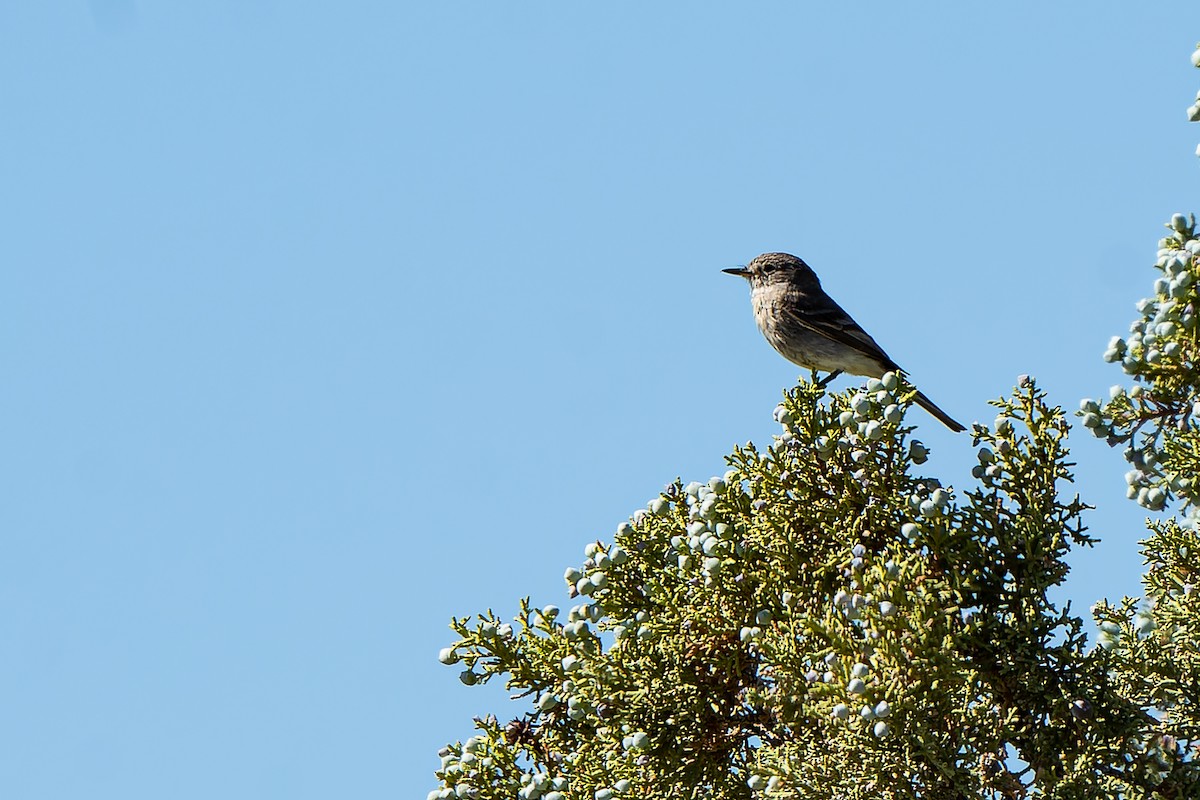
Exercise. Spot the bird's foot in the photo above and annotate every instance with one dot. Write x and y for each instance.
(821, 384)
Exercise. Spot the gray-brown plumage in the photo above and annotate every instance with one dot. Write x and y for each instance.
(809, 329)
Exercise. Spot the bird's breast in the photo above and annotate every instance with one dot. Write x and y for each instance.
(779, 313)
(770, 304)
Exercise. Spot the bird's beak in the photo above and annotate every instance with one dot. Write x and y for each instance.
(741, 272)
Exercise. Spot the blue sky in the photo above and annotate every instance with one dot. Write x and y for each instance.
(323, 324)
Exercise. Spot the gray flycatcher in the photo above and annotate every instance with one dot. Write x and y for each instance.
(809, 329)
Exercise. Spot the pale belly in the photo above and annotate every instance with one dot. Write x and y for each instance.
(806, 348)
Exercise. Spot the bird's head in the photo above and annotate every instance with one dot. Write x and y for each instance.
(776, 268)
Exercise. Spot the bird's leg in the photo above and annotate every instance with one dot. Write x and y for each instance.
(821, 384)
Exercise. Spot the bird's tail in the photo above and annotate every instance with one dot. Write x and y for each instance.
(942, 417)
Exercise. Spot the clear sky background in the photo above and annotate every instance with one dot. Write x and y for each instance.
(324, 322)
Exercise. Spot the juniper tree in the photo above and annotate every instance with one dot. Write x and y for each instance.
(824, 621)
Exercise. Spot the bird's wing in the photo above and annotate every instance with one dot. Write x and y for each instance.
(828, 319)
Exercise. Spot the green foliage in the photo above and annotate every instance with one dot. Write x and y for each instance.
(1154, 418)
(1153, 647)
(825, 622)
(819, 622)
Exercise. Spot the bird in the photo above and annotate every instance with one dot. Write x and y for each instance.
(808, 328)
